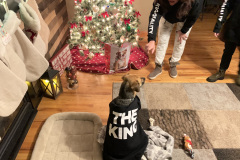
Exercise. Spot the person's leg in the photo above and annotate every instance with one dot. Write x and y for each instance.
(227, 55)
(164, 32)
(225, 62)
(177, 51)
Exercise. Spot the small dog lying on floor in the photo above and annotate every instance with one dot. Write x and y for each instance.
(125, 139)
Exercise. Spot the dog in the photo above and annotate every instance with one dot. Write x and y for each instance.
(120, 62)
(125, 139)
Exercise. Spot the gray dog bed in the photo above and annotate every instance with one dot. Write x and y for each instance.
(69, 136)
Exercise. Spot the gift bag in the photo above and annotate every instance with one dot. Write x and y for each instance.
(117, 57)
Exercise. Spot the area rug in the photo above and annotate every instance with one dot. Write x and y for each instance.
(69, 136)
(208, 112)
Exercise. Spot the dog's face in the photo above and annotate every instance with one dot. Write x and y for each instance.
(134, 82)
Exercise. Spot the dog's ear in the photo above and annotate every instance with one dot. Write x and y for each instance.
(125, 77)
(136, 86)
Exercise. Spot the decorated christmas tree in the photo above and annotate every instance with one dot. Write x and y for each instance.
(97, 22)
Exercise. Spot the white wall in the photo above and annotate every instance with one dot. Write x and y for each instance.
(144, 7)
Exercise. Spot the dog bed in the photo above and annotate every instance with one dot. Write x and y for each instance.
(69, 136)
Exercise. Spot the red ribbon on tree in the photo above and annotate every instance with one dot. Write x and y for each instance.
(127, 21)
(83, 34)
(137, 14)
(88, 18)
(131, 1)
(105, 14)
(73, 25)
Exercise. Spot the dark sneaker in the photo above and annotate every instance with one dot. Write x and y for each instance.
(173, 68)
(217, 76)
(157, 71)
(238, 80)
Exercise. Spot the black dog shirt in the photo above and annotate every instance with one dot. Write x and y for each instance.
(125, 138)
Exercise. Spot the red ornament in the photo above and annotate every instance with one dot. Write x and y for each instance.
(88, 18)
(127, 21)
(75, 1)
(131, 1)
(97, 54)
(87, 32)
(73, 25)
(105, 14)
(137, 14)
(125, 3)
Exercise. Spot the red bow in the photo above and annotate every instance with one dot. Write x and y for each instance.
(137, 14)
(105, 14)
(88, 18)
(131, 1)
(127, 21)
(83, 34)
(73, 25)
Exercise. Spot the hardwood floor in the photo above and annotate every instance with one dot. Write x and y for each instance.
(201, 58)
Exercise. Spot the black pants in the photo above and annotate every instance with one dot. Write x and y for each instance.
(227, 55)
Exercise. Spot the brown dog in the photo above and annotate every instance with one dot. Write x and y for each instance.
(130, 86)
(125, 138)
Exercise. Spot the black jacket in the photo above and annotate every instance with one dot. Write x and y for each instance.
(231, 30)
(170, 15)
(125, 139)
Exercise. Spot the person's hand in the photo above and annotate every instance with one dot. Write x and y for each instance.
(150, 47)
(182, 36)
(216, 34)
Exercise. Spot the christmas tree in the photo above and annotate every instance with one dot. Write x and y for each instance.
(97, 22)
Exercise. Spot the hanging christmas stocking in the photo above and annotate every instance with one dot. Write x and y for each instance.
(34, 62)
(44, 31)
(12, 68)
(32, 26)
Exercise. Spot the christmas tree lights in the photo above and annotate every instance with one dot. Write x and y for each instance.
(97, 22)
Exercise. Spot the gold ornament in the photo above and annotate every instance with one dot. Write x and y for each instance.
(95, 9)
(90, 55)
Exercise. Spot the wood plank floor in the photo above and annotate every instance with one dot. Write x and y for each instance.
(201, 58)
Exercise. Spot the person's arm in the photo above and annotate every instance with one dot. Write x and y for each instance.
(192, 17)
(154, 19)
(226, 8)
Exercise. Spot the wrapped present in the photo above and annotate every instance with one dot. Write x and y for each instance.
(117, 58)
(61, 60)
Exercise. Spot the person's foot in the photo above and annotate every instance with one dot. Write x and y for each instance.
(217, 76)
(238, 80)
(173, 68)
(157, 71)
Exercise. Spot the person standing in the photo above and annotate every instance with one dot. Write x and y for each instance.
(184, 13)
(230, 34)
